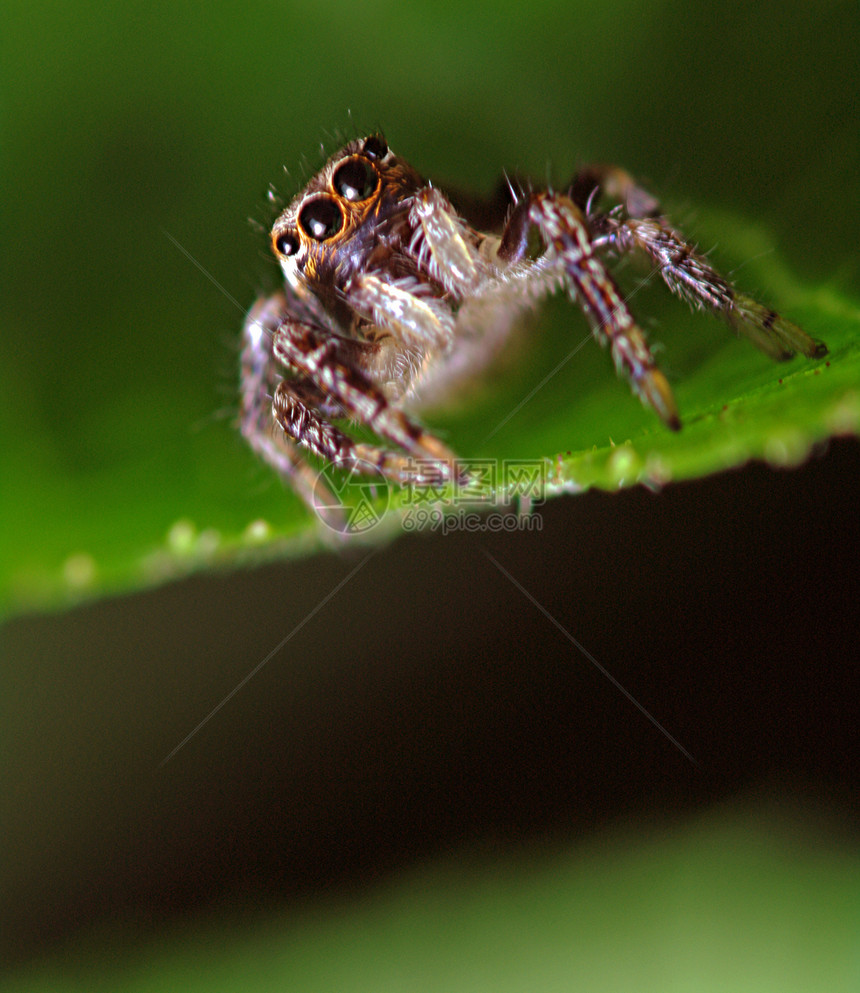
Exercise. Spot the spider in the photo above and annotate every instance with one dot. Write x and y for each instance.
(392, 290)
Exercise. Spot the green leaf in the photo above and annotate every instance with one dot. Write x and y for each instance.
(121, 466)
(101, 513)
(127, 126)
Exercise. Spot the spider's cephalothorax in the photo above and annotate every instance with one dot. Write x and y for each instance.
(390, 293)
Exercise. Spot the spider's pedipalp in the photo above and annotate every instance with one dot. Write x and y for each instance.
(443, 246)
(417, 319)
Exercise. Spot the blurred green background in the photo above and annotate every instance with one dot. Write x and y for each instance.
(427, 709)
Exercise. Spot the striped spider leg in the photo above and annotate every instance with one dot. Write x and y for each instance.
(579, 235)
(280, 415)
(391, 298)
(564, 229)
(637, 226)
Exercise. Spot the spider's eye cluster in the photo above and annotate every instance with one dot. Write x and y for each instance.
(355, 179)
(376, 147)
(286, 243)
(321, 218)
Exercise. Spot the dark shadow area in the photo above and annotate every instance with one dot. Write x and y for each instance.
(430, 705)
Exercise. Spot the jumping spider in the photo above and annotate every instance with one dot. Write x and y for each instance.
(389, 292)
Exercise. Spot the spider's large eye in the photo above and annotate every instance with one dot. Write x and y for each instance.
(321, 218)
(355, 179)
(376, 147)
(286, 243)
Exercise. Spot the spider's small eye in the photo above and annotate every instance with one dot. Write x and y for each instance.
(355, 179)
(321, 218)
(376, 147)
(286, 243)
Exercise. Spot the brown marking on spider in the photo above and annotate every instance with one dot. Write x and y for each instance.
(390, 295)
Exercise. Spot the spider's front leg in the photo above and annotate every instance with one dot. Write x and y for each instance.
(302, 411)
(278, 416)
(333, 385)
(260, 377)
(564, 229)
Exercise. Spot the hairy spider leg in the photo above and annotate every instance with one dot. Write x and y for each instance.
(690, 276)
(260, 376)
(682, 267)
(484, 298)
(563, 227)
(319, 356)
(418, 328)
(301, 410)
